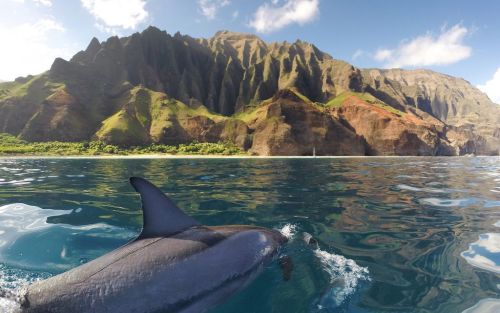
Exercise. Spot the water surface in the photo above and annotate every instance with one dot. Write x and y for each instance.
(395, 234)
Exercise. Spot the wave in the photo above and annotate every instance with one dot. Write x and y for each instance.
(345, 277)
(344, 274)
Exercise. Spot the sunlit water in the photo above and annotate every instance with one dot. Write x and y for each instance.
(395, 234)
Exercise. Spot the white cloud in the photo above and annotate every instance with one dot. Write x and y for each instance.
(29, 50)
(428, 49)
(358, 54)
(271, 17)
(236, 14)
(492, 87)
(45, 3)
(209, 8)
(383, 54)
(113, 14)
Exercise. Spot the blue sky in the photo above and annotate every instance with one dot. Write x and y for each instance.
(459, 37)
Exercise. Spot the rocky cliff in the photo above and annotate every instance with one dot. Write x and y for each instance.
(268, 98)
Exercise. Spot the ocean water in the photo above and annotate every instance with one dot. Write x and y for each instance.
(394, 234)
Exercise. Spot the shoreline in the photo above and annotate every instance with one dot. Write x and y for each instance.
(215, 156)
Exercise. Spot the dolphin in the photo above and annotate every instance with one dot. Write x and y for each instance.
(174, 265)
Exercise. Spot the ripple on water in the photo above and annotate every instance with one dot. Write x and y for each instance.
(407, 187)
(21, 224)
(448, 202)
(485, 306)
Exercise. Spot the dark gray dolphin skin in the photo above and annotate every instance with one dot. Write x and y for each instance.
(175, 265)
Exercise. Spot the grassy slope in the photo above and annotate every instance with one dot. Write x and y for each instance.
(251, 113)
(145, 114)
(366, 97)
(35, 89)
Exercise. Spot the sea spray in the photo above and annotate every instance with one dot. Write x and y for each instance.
(345, 276)
(288, 230)
(12, 286)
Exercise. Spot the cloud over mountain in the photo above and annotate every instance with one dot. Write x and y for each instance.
(112, 14)
(270, 17)
(209, 8)
(428, 50)
(492, 87)
(16, 57)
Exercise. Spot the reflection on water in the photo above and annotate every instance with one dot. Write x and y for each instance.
(19, 218)
(485, 253)
(485, 306)
(22, 226)
(412, 223)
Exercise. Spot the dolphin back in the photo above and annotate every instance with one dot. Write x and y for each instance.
(176, 265)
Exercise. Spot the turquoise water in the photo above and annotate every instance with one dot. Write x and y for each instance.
(395, 234)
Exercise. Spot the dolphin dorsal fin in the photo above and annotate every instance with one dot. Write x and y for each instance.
(161, 216)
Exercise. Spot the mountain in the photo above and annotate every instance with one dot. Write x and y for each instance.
(268, 98)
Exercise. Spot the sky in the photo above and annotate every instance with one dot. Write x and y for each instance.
(455, 37)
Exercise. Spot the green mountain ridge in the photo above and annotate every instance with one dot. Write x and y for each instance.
(267, 98)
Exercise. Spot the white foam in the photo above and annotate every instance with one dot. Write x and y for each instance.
(345, 275)
(9, 306)
(13, 281)
(289, 230)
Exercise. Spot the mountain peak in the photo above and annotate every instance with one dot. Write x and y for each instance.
(93, 46)
(230, 35)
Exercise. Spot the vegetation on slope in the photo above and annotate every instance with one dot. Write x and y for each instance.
(145, 116)
(35, 88)
(10, 145)
(366, 97)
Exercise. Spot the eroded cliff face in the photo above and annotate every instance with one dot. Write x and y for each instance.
(154, 87)
(289, 125)
(225, 72)
(452, 100)
(391, 133)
